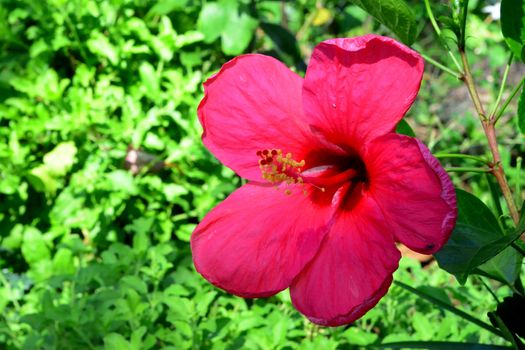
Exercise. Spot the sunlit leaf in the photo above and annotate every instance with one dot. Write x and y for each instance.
(394, 14)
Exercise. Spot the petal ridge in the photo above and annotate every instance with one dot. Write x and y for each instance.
(351, 271)
(359, 88)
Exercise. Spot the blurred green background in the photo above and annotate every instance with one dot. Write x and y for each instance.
(103, 175)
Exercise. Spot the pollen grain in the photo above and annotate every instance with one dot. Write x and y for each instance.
(277, 168)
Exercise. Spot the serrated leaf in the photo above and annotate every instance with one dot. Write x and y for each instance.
(395, 15)
(513, 26)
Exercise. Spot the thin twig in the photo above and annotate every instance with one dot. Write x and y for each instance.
(502, 86)
(507, 101)
(438, 32)
(461, 156)
(441, 66)
(467, 170)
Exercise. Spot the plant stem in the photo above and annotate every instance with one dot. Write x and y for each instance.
(441, 66)
(517, 189)
(432, 18)
(502, 86)
(467, 170)
(498, 171)
(438, 32)
(462, 156)
(507, 101)
(490, 132)
(469, 81)
(487, 287)
(449, 307)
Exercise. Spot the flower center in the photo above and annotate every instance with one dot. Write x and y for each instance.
(323, 171)
(277, 167)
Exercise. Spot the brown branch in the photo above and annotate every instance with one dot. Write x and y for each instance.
(490, 133)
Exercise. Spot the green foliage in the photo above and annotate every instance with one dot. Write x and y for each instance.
(395, 14)
(404, 128)
(521, 112)
(104, 177)
(225, 19)
(476, 239)
(513, 26)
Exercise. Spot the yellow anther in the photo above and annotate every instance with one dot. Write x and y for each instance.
(278, 168)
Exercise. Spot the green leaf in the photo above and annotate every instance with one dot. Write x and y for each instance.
(100, 45)
(184, 232)
(284, 41)
(164, 7)
(446, 305)
(61, 158)
(521, 111)
(149, 77)
(394, 14)
(476, 238)
(42, 180)
(63, 263)
(504, 267)
(404, 128)
(121, 180)
(115, 341)
(212, 20)
(439, 345)
(34, 246)
(359, 336)
(513, 26)
(238, 33)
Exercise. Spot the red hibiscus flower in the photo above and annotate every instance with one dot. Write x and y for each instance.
(331, 186)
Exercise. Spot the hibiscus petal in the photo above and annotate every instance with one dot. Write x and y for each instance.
(253, 103)
(258, 239)
(352, 270)
(414, 192)
(359, 88)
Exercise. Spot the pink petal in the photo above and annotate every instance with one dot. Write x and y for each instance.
(352, 270)
(253, 103)
(359, 88)
(414, 192)
(257, 240)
